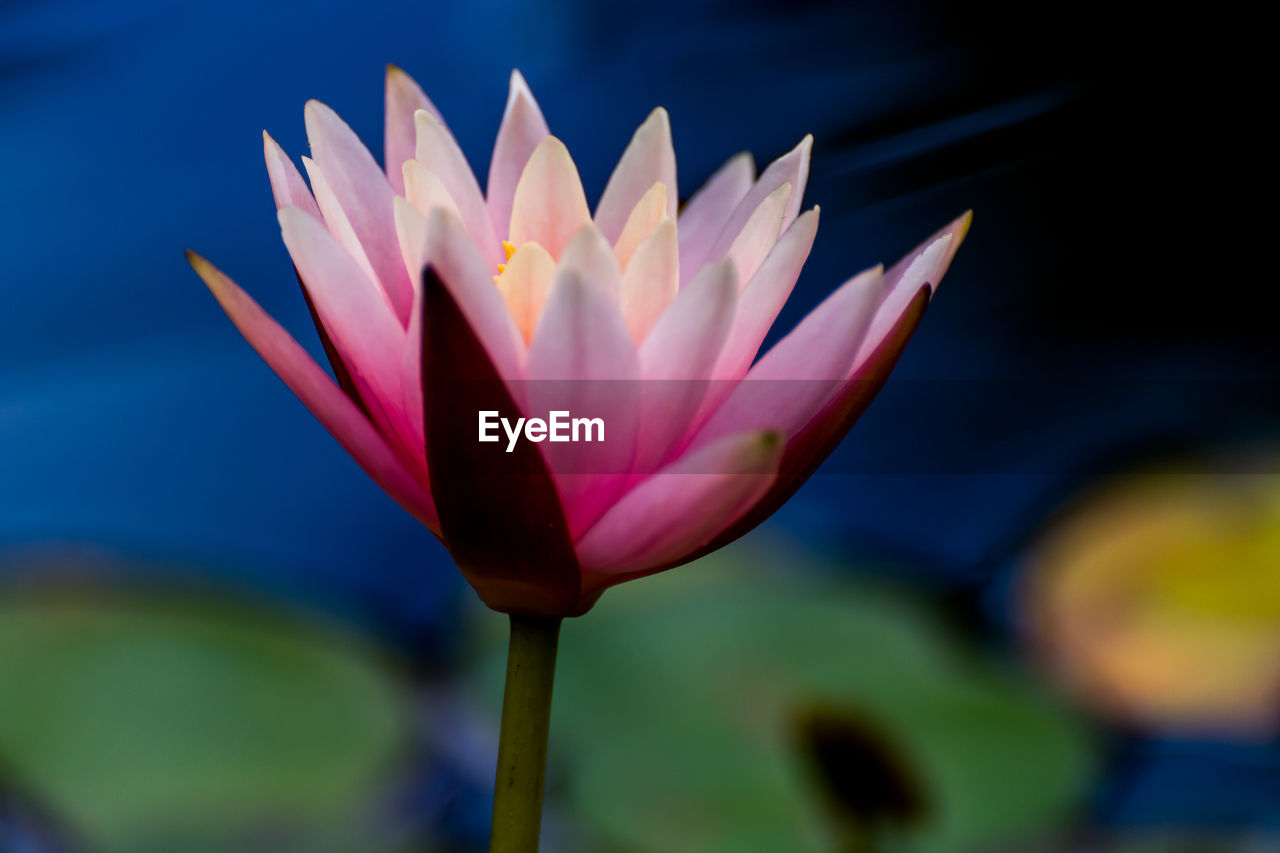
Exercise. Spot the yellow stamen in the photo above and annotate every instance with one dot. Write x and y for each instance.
(509, 248)
(502, 268)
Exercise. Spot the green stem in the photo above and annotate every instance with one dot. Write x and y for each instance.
(522, 744)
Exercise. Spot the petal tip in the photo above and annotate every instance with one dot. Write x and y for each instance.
(209, 274)
(421, 116)
(271, 148)
(518, 87)
(318, 111)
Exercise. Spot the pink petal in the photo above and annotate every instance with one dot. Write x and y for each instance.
(648, 159)
(676, 359)
(336, 219)
(290, 190)
(765, 295)
(806, 451)
(549, 205)
(643, 221)
(339, 415)
(651, 279)
(589, 255)
(441, 240)
(500, 516)
(805, 369)
(925, 265)
(523, 127)
(681, 508)
(525, 285)
(758, 237)
(403, 99)
(424, 190)
(411, 378)
(582, 361)
(361, 189)
(705, 215)
(438, 151)
(814, 442)
(792, 168)
(355, 313)
(287, 185)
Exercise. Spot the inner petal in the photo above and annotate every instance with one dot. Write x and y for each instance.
(424, 189)
(643, 221)
(524, 282)
(549, 205)
(759, 235)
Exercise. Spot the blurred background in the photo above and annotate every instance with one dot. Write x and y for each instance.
(1032, 602)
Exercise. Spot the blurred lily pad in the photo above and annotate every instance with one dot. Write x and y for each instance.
(174, 724)
(714, 708)
(1157, 600)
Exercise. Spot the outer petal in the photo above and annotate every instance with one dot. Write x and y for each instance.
(403, 99)
(549, 205)
(441, 241)
(792, 168)
(765, 295)
(706, 214)
(438, 151)
(362, 190)
(651, 280)
(676, 359)
(354, 312)
(317, 392)
(925, 265)
(523, 127)
(500, 516)
(794, 379)
(287, 185)
(806, 451)
(336, 219)
(649, 159)
(681, 508)
(582, 361)
(290, 190)
(411, 379)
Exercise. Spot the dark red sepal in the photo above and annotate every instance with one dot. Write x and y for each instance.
(500, 514)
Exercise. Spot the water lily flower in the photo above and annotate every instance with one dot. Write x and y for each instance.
(443, 308)
(525, 284)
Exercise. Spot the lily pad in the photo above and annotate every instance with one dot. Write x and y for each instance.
(721, 708)
(170, 723)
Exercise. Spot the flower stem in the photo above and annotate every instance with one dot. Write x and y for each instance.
(522, 744)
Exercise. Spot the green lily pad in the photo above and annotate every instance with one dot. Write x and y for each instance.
(718, 709)
(174, 724)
